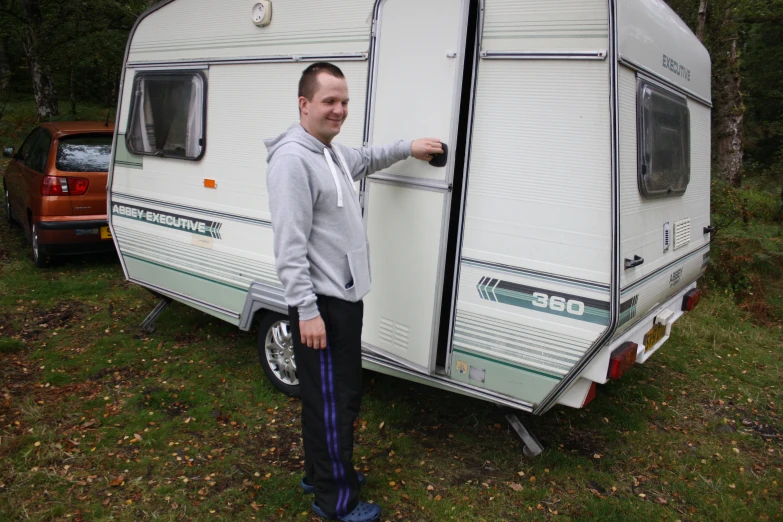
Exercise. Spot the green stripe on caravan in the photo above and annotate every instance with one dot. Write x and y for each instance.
(168, 220)
(542, 300)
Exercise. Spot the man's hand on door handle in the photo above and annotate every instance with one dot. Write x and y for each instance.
(425, 149)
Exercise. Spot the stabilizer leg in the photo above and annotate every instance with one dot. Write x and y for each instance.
(148, 324)
(532, 447)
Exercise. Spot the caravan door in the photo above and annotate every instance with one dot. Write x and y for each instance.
(415, 91)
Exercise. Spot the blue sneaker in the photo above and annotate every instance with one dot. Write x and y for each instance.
(309, 489)
(364, 512)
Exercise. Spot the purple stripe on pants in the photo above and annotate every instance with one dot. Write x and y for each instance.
(329, 439)
(341, 503)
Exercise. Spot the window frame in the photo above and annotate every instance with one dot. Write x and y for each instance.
(642, 137)
(133, 106)
(42, 135)
(29, 141)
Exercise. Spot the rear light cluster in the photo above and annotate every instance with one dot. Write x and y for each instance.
(622, 359)
(691, 299)
(62, 186)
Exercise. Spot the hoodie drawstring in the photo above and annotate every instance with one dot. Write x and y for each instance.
(337, 183)
(333, 170)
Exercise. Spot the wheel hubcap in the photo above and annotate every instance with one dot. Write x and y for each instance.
(279, 350)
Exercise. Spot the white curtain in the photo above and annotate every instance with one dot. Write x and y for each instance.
(142, 115)
(195, 118)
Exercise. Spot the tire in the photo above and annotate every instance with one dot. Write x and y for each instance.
(8, 216)
(40, 260)
(276, 353)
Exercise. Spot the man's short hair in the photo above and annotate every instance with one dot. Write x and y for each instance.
(308, 83)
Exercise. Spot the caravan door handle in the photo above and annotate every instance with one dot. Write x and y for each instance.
(636, 261)
(441, 159)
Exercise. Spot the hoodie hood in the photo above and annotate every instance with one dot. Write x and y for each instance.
(298, 135)
(294, 134)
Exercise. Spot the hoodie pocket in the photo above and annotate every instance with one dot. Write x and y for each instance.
(359, 265)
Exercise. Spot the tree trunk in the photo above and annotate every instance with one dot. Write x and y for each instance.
(43, 83)
(5, 72)
(702, 20)
(72, 88)
(729, 121)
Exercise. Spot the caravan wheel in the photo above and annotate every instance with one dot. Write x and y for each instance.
(276, 353)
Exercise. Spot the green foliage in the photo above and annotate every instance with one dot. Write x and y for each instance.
(84, 45)
(746, 258)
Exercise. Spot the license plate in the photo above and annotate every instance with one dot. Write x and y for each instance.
(105, 233)
(652, 337)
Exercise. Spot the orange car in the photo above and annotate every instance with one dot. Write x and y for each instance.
(55, 187)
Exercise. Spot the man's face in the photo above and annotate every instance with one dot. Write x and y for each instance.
(323, 116)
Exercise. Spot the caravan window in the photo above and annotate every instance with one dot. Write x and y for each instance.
(167, 115)
(664, 141)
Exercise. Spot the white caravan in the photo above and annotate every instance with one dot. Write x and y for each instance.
(558, 245)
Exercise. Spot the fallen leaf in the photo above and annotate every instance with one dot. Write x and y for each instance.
(515, 486)
(117, 482)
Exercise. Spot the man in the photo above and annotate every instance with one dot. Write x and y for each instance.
(322, 259)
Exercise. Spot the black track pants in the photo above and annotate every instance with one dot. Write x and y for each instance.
(330, 382)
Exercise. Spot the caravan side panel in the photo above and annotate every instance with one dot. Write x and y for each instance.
(642, 230)
(534, 273)
(553, 25)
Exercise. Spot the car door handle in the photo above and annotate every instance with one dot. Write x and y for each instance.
(439, 160)
(636, 261)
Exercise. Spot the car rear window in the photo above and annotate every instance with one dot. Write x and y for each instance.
(89, 153)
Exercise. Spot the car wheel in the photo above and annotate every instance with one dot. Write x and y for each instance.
(8, 216)
(276, 353)
(39, 259)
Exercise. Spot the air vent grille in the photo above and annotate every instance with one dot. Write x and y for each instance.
(394, 333)
(682, 233)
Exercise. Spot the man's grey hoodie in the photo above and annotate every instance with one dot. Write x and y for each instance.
(319, 239)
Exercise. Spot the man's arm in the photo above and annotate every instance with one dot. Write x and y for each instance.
(291, 205)
(364, 161)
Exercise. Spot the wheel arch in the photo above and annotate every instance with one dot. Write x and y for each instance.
(262, 298)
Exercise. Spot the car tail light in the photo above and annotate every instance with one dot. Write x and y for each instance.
(590, 395)
(54, 186)
(691, 299)
(78, 186)
(61, 186)
(622, 358)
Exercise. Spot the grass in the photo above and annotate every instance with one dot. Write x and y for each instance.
(99, 421)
